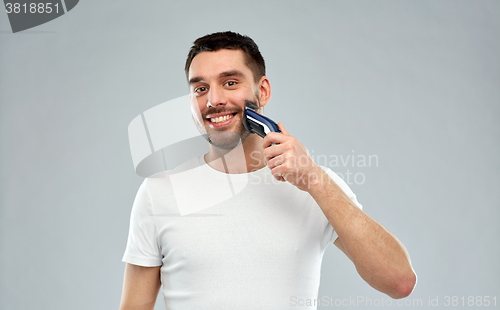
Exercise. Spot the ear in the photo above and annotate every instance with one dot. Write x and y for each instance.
(264, 91)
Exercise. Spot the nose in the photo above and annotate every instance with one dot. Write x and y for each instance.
(215, 97)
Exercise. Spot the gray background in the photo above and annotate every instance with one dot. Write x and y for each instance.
(414, 82)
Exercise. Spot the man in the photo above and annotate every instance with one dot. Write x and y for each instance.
(261, 245)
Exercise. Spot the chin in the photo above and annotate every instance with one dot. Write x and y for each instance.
(225, 140)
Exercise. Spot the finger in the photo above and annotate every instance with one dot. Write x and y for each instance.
(274, 150)
(278, 174)
(280, 178)
(274, 137)
(276, 161)
(283, 130)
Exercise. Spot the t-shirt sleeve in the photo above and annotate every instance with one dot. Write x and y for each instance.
(345, 188)
(142, 246)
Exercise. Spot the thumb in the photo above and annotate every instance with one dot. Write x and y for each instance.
(283, 130)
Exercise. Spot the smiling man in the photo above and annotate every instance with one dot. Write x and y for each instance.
(260, 244)
(227, 69)
(221, 82)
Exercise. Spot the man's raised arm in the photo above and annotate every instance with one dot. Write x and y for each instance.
(380, 258)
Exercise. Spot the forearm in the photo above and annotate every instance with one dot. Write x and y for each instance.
(380, 259)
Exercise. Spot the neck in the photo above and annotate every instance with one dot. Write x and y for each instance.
(245, 157)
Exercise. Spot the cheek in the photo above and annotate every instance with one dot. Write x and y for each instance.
(196, 107)
(243, 96)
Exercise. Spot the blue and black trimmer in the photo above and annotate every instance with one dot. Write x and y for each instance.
(257, 123)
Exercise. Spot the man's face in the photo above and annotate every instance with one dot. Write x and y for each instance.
(220, 82)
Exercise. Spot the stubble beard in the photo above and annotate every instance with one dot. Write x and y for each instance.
(225, 139)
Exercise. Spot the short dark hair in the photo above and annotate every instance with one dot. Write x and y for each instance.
(233, 41)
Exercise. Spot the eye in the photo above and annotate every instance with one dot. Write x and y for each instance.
(230, 83)
(199, 90)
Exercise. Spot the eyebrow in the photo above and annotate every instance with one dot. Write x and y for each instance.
(232, 73)
(236, 73)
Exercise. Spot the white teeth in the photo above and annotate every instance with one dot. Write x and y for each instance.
(221, 118)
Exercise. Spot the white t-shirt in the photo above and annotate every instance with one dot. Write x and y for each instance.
(229, 241)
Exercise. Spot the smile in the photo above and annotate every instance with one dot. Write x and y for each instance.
(221, 118)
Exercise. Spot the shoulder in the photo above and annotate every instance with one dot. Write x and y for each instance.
(342, 184)
(158, 188)
(162, 178)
